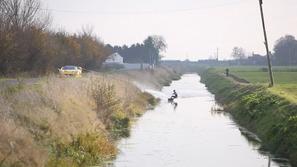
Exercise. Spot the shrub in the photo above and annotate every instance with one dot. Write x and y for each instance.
(106, 101)
(85, 150)
(150, 99)
(120, 125)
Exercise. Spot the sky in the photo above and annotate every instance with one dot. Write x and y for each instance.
(193, 29)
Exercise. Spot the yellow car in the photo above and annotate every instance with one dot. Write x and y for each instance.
(71, 71)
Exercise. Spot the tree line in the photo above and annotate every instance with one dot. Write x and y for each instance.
(284, 53)
(27, 44)
(149, 51)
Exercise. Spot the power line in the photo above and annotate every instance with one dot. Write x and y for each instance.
(143, 12)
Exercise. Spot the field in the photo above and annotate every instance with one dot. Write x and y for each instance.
(285, 79)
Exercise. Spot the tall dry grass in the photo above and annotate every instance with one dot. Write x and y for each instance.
(40, 121)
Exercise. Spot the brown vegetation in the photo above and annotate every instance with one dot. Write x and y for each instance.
(69, 121)
(28, 45)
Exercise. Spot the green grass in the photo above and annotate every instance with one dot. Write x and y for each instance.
(85, 150)
(262, 77)
(285, 78)
(259, 74)
(288, 91)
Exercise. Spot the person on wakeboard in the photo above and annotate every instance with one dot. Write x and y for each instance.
(174, 95)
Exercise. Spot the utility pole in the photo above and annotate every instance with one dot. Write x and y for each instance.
(269, 160)
(217, 54)
(266, 44)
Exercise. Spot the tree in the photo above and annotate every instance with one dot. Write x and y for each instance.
(146, 52)
(285, 51)
(238, 53)
(27, 45)
(155, 45)
(22, 14)
(22, 24)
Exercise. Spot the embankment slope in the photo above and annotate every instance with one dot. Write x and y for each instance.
(62, 122)
(271, 117)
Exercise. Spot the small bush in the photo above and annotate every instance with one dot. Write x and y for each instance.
(120, 125)
(106, 101)
(150, 99)
(264, 69)
(85, 150)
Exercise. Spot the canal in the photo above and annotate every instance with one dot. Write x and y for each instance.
(189, 133)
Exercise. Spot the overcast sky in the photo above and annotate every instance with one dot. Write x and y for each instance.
(193, 29)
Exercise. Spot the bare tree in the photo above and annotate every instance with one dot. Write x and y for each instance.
(22, 35)
(22, 14)
(87, 30)
(238, 53)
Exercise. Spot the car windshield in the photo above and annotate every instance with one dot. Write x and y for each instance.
(69, 68)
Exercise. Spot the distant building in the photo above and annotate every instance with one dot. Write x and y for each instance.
(256, 59)
(114, 58)
(116, 61)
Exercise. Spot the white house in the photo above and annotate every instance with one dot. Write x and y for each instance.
(117, 59)
(114, 58)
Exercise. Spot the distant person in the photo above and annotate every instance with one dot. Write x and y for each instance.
(174, 96)
(227, 72)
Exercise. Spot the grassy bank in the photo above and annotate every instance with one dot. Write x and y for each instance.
(62, 122)
(285, 79)
(273, 118)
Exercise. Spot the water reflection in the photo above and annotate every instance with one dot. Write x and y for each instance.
(174, 104)
(252, 139)
(217, 109)
(198, 133)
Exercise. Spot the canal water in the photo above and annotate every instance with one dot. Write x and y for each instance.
(188, 133)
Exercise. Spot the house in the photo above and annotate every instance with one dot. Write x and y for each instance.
(116, 61)
(114, 58)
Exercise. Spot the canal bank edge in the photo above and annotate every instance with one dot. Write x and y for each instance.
(272, 118)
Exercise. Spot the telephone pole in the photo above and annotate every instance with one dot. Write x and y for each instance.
(217, 54)
(266, 44)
